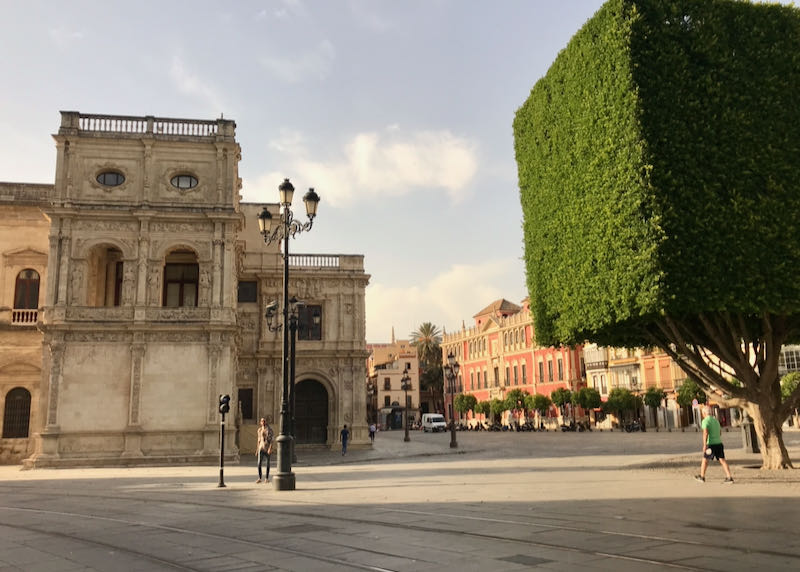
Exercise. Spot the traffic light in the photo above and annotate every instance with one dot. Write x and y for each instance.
(224, 404)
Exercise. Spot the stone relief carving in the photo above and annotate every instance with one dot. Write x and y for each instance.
(161, 247)
(177, 314)
(199, 227)
(98, 337)
(76, 282)
(154, 284)
(100, 313)
(117, 226)
(128, 282)
(177, 337)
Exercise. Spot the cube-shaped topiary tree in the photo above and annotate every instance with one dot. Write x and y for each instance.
(660, 186)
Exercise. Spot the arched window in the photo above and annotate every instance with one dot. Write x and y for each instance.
(17, 414)
(26, 290)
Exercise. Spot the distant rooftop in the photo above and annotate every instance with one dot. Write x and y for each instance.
(499, 307)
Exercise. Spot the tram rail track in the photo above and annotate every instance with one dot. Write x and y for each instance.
(343, 521)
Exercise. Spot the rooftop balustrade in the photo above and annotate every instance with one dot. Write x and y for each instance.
(73, 122)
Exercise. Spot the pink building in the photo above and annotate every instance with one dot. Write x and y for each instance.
(499, 353)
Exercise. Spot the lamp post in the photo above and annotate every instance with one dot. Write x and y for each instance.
(371, 405)
(295, 306)
(287, 227)
(405, 383)
(451, 369)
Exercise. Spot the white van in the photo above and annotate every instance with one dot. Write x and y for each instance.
(433, 422)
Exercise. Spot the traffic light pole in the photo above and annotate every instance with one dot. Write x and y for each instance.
(221, 452)
(224, 407)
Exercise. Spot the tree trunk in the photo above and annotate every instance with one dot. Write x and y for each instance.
(769, 429)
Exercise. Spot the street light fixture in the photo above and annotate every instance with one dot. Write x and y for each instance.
(287, 227)
(451, 369)
(405, 384)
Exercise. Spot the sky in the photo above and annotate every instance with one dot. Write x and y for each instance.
(398, 113)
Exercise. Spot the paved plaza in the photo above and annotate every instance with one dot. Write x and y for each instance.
(500, 501)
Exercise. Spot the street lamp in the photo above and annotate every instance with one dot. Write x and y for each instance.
(405, 384)
(451, 369)
(287, 227)
(372, 405)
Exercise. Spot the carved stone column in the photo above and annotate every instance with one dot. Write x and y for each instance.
(63, 271)
(53, 258)
(228, 274)
(217, 262)
(56, 348)
(133, 437)
(214, 354)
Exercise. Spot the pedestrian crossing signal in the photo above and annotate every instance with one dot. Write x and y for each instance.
(224, 404)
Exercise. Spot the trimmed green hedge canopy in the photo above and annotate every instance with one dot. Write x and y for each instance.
(659, 168)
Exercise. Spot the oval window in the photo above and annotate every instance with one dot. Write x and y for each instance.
(184, 181)
(110, 178)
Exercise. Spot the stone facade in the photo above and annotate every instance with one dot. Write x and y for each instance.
(141, 326)
(23, 242)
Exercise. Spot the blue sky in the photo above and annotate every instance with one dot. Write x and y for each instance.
(399, 113)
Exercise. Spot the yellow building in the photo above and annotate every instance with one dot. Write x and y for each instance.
(387, 365)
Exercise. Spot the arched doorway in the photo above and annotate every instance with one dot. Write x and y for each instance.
(17, 414)
(311, 412)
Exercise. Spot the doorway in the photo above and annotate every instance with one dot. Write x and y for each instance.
(311, 412)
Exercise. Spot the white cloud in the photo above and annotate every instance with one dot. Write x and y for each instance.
(64, 38)
(192, 85)
(365, 15)
(315, 64)
(447, 300)
(392, 163)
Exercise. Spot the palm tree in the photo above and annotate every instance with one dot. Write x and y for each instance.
(427, 339)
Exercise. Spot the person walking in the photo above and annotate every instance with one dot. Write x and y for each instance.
(264, 447)
(345, 436)
(372, 430)
(712, 447)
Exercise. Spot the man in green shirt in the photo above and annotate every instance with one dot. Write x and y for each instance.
(712, 447)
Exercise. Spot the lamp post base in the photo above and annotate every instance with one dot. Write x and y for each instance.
(283, 482)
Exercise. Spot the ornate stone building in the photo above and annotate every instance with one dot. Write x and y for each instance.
(154, 295)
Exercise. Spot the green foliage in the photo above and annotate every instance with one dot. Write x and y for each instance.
(561, 397)
(789, 383)
(538, 402)
(482, 408)
(464, 402)
(587, 398)
(654, 396)
(515, 399)
(688, 392)
(620, 400)
(432, 377)
(657, 169)
(497, 406)
(427, 339)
